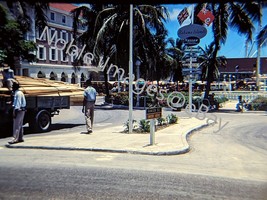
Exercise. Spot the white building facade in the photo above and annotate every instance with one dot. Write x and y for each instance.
(52, 62)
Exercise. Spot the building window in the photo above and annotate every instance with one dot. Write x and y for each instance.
(41, 53)
(64, 77)
(53, 54)
(39, 32)
(63, 19)
(52, 16)
(52, 32)
(53, 76)
(64, 36)
(64, 56)
(73, 78)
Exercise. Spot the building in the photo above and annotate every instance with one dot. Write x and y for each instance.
(241, 68)
(52, 62)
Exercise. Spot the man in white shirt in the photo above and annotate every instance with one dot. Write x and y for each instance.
(89, 105)
(19, 108)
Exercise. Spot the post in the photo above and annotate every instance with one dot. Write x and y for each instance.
(131, 71)
(190, 83)
(152, 132)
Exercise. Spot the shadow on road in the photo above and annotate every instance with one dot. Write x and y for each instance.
(6, 132)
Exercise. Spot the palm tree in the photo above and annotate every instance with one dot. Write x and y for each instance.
(110, 34)
(206, 58)
(12, 42)
(177, 53)
(21, 11)
(13, 29)
(262, 36)
(237, 15)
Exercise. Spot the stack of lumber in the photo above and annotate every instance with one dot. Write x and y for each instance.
(45, 87)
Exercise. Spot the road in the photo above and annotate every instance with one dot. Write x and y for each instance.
(230, 164)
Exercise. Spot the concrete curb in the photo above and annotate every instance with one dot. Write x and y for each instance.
(185, 149)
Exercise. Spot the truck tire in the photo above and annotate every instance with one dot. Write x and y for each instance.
(41, 122)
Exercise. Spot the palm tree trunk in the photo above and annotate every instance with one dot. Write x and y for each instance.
(106, 84)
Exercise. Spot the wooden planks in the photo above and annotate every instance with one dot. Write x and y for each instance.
(44, 87)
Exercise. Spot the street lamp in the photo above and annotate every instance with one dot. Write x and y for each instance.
(137, 64)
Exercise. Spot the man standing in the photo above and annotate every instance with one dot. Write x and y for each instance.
(8, 77)
(19, 108)
(89, 105)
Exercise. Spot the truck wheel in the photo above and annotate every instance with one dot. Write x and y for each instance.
(41, 122)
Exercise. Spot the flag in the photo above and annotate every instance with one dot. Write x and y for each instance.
(206, 16)
(183, 15)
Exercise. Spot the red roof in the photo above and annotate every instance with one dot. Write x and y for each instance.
(63, 6)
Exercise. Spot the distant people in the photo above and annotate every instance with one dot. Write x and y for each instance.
(240, 104)
(8, 77)
(213, 102)
(89, 105)
(19, 108)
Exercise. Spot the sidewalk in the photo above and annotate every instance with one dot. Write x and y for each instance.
(169, 141)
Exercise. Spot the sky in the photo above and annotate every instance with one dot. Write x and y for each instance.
(235, 44)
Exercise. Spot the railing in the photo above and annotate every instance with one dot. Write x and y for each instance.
(246, 95)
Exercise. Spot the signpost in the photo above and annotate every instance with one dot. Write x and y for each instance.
(152, 114)
(191, 34)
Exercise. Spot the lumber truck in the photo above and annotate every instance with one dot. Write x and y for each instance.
(44, 98)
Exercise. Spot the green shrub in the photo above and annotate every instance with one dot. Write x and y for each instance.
(172, 119)
(120, 98)
(221, 99)
(260, 103)
(126, 125)
(144, 125)
(161, 121)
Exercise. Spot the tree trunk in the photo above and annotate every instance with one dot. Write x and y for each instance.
(106, 84)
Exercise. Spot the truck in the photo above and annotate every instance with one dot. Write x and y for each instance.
(42, 104)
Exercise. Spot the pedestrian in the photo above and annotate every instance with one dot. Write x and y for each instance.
(19, 109)
(8, 77)
(89, 105)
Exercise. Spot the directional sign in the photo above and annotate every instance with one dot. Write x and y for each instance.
(192, 49)
(191, 41)
(153, 113)
(192, 30)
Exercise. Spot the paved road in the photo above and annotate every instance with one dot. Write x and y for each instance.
(82, 181)
(230, 164)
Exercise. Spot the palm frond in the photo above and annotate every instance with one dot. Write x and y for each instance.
(262, 36)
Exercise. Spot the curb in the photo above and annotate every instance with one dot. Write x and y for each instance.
(185, 138)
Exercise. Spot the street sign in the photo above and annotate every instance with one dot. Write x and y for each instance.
(153, 113)
(187, 60)
(192, 30)
(191, 49)
(191, 41)
(188, 64)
